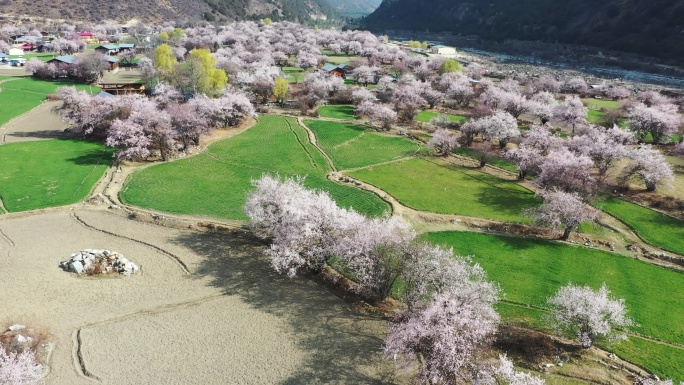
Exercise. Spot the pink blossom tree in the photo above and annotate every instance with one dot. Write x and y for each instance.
(504, 373)
(562, 210)
(526, 160)
(653, 98)
(305, 225)
(443, 335)
(379, 113)
(589, 315)
(19, 368)
(571, 112)
(604, 147)
(565, 170)
(500, 126)
(362, 94)
(659, 121)
(365, 75)
(443, 141)
(575, 85)
(541, 105)
(649, 166)
(543, 84)
(188, 124)
(376, 252)
(617, 93)
(408, 100)
(131, 140)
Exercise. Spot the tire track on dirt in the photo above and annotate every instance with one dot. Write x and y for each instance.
(9, 241)
(174, 257)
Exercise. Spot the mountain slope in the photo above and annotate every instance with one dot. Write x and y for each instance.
(303, 11)
(355, 7)
(651, 27)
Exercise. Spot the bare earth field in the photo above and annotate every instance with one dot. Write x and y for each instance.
(206, 309)
(38, 124)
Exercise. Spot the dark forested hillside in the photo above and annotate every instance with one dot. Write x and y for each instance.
(303, 11)
(650, 27)
(355, 7)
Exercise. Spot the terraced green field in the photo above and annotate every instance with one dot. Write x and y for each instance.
(596, 104)
(337, 112)
(432, 185)
(43, 87)
(529, 271)
(20, 95)
(655, 228)
(352, 146)
(49, 173)
(426, 116)
(215, 183)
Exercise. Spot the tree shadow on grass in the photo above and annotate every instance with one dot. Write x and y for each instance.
(507, 201)
(42, 134)
(342, 345)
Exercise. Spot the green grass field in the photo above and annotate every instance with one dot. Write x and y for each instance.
(426, 116)
(49, 173)
(655, 228)
(41, 56)
(596, 117)
(20, 95)
(44, 87)
(14, 103)
(352, 146)
(337, 112)
(597, 104)
(432, 185)
(495, 160)
(529, 271)
(215, 183)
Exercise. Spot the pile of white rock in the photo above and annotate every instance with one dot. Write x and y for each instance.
(93, 261)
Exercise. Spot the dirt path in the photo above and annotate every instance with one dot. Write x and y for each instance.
(314, 142)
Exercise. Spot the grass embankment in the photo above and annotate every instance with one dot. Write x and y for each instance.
(345, 112)
(215, 183)
(436, 186)
(529, 271)
(352, 146)
(49, 173)
(20, 95)
(426, 116)
(655, 228)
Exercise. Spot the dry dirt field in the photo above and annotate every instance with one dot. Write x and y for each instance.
(206, 309)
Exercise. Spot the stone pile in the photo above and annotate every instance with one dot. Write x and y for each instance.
(92, 261)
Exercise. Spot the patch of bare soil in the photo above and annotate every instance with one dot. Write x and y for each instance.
(206, 308)
(39, 123)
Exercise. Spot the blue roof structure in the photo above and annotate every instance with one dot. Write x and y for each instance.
(111, 47)
(63, 59)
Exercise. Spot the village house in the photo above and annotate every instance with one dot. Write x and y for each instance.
(443, 50)
(113, 49)
(336, 70)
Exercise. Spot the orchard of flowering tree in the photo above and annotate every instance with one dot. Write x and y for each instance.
(557, 207)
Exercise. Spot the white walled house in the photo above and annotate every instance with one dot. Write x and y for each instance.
(443, 50)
